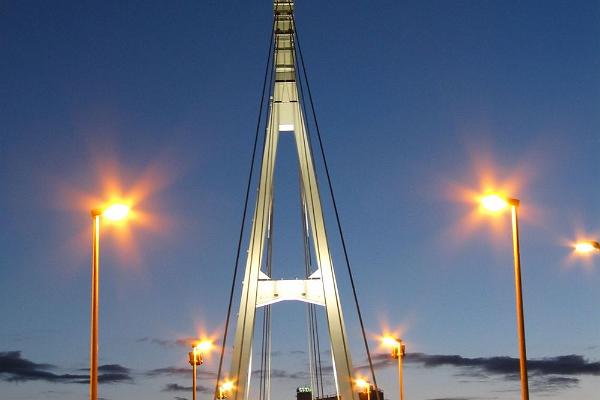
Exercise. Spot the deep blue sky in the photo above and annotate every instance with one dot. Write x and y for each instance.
(417, 101)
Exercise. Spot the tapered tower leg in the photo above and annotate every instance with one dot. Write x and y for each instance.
(335, 320)
(242, 349)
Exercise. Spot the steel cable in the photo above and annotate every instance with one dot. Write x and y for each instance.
(337, 217)
(244, 213)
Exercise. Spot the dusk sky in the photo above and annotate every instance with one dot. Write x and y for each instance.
(422, 106)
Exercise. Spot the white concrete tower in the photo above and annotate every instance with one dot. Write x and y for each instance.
(320, 287)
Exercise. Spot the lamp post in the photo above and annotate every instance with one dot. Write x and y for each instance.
(195, 359)
(224, 389)
(398, 352)
(362, 383)
(495, 204)
(114, 212)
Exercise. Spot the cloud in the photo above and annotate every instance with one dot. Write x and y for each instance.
(381, 360)
(561, 365)
(283, 374)
(111, 373)
(545, 374)
(174, 371)
(552, 383)
(168, 371)
(182, 342)
(14, 368)
(160, 342)
(113, 368)
(112, 378)
(175, 387)
(482, 366)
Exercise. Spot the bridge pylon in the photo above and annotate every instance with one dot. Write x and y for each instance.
(319, 288)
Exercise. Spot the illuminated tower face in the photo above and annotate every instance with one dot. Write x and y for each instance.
(319, 288)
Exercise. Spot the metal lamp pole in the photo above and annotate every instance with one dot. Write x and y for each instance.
(496, 203)
(398, 352)
(195, 359)
(514, 203)
(94, 311)
(115, 212)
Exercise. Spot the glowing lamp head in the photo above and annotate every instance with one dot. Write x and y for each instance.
(362, 383)
(195, 358)
(225, 389)
(396, 345)
(203, 346)
(116, 212)
(390, 341)
(494, 203)
(587, 247)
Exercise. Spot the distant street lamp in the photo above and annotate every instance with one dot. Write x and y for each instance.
(398, 352)
(114, 212)
(195, 359)
(225, 389)
(496, 204)
(587, 247)
(364, 384)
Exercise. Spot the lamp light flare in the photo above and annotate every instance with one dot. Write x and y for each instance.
(396, 344)
(390, 341)
(361, 383)
(225, 389)
(116, 212)
(587, 247)
(494, 203)
(204, 345)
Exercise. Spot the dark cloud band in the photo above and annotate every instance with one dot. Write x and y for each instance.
(14, 368)
(561, 365)
(175, 387)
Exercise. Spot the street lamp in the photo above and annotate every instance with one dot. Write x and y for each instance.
(587, 247)
(224, 389)
(398, 352)
(195, 359)
(495, 203)
(364, 384)
(113, 212)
